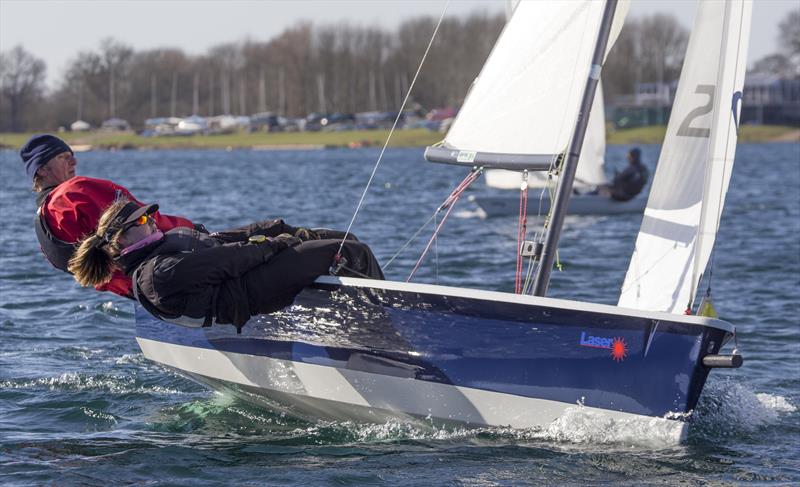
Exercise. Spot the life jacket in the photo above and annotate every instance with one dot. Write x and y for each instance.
(57, 251)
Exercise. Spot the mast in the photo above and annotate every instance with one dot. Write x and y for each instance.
(567, 176)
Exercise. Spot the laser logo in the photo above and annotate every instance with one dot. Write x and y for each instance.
(617, 345)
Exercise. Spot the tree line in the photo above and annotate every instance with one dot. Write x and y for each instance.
(306, 68)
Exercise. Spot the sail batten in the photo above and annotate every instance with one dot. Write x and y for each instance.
(695, 165)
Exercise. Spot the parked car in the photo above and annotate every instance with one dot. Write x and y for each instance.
(156, 127)
(79, 126)
(376, 120)
(338, 121)
(266, 122)
(115, 125)
(314, 121)
(191, 126)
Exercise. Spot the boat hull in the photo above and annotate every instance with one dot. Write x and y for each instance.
(495, 205)
(369, 350)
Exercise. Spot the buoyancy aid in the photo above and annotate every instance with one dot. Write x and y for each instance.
(57, 252)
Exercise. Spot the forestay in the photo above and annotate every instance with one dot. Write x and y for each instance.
(526, 99)
(682, 216)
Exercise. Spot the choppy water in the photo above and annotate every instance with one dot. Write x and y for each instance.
(80, 405)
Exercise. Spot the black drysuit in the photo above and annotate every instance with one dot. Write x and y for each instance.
(629, 182)
(197, 279)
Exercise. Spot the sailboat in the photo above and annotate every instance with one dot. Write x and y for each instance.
(500, 200)
(366, 350)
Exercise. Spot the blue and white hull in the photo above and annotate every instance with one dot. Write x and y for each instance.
(357, 349)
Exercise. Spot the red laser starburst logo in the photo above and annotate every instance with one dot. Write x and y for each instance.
(619, 349)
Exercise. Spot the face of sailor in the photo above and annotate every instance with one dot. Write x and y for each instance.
(138, 232)
(58, 169)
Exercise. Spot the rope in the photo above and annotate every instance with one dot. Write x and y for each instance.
(449, 204)
(391, 132)
(521, 228)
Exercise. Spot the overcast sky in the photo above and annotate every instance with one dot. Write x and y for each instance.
(56, 31)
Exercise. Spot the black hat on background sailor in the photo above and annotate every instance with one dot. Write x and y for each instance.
(635, 155)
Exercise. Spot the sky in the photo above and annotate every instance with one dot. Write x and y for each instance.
(56, 30)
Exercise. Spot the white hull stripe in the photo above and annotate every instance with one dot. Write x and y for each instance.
(400, 396)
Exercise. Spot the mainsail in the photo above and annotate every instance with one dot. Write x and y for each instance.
(591, 164)
(526, 99)
(688, 192)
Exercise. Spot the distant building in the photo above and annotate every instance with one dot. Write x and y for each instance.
(767, 99)
(650, 104)
(771, 100)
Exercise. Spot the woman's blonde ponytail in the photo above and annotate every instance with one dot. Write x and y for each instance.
(92, 263)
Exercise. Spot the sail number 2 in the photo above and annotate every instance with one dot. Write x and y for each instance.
(686, 129)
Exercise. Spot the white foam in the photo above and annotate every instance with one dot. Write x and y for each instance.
(581, 425)
(729, 408)
(776, 403)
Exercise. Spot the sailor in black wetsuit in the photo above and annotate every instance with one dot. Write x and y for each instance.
(631, 181)
(195, 279)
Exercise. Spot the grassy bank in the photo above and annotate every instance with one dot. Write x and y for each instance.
(747, 133)
(401, 138)
(129, 140)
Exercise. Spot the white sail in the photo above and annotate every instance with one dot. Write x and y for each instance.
(526, 98)
(590, 171)
(688, 192)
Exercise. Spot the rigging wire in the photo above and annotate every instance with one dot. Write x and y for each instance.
(448, 204)
(391, 131)
(522, 226)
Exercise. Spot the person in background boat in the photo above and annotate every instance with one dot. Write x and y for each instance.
(630, 182)
(69, 206)
(193, 279)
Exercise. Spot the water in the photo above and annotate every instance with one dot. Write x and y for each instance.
(80, 405)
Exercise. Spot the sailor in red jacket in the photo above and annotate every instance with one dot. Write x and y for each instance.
(68, 207)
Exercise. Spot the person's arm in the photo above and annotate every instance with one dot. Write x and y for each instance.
(269, 228)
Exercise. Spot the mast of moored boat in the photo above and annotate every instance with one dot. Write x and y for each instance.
(567, 174)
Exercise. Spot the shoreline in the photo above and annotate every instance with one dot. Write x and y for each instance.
(98, 140)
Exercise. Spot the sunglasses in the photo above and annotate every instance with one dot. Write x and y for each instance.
(142, 220)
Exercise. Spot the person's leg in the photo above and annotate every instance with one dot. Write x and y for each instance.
(273, 285)
(327, 233)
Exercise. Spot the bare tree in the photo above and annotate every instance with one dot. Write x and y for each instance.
(789, 39)
(21, 84)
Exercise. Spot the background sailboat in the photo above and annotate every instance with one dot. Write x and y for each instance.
(589, 174)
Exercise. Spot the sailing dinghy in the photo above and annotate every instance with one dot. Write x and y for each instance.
(357, 349)
(498, 200)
